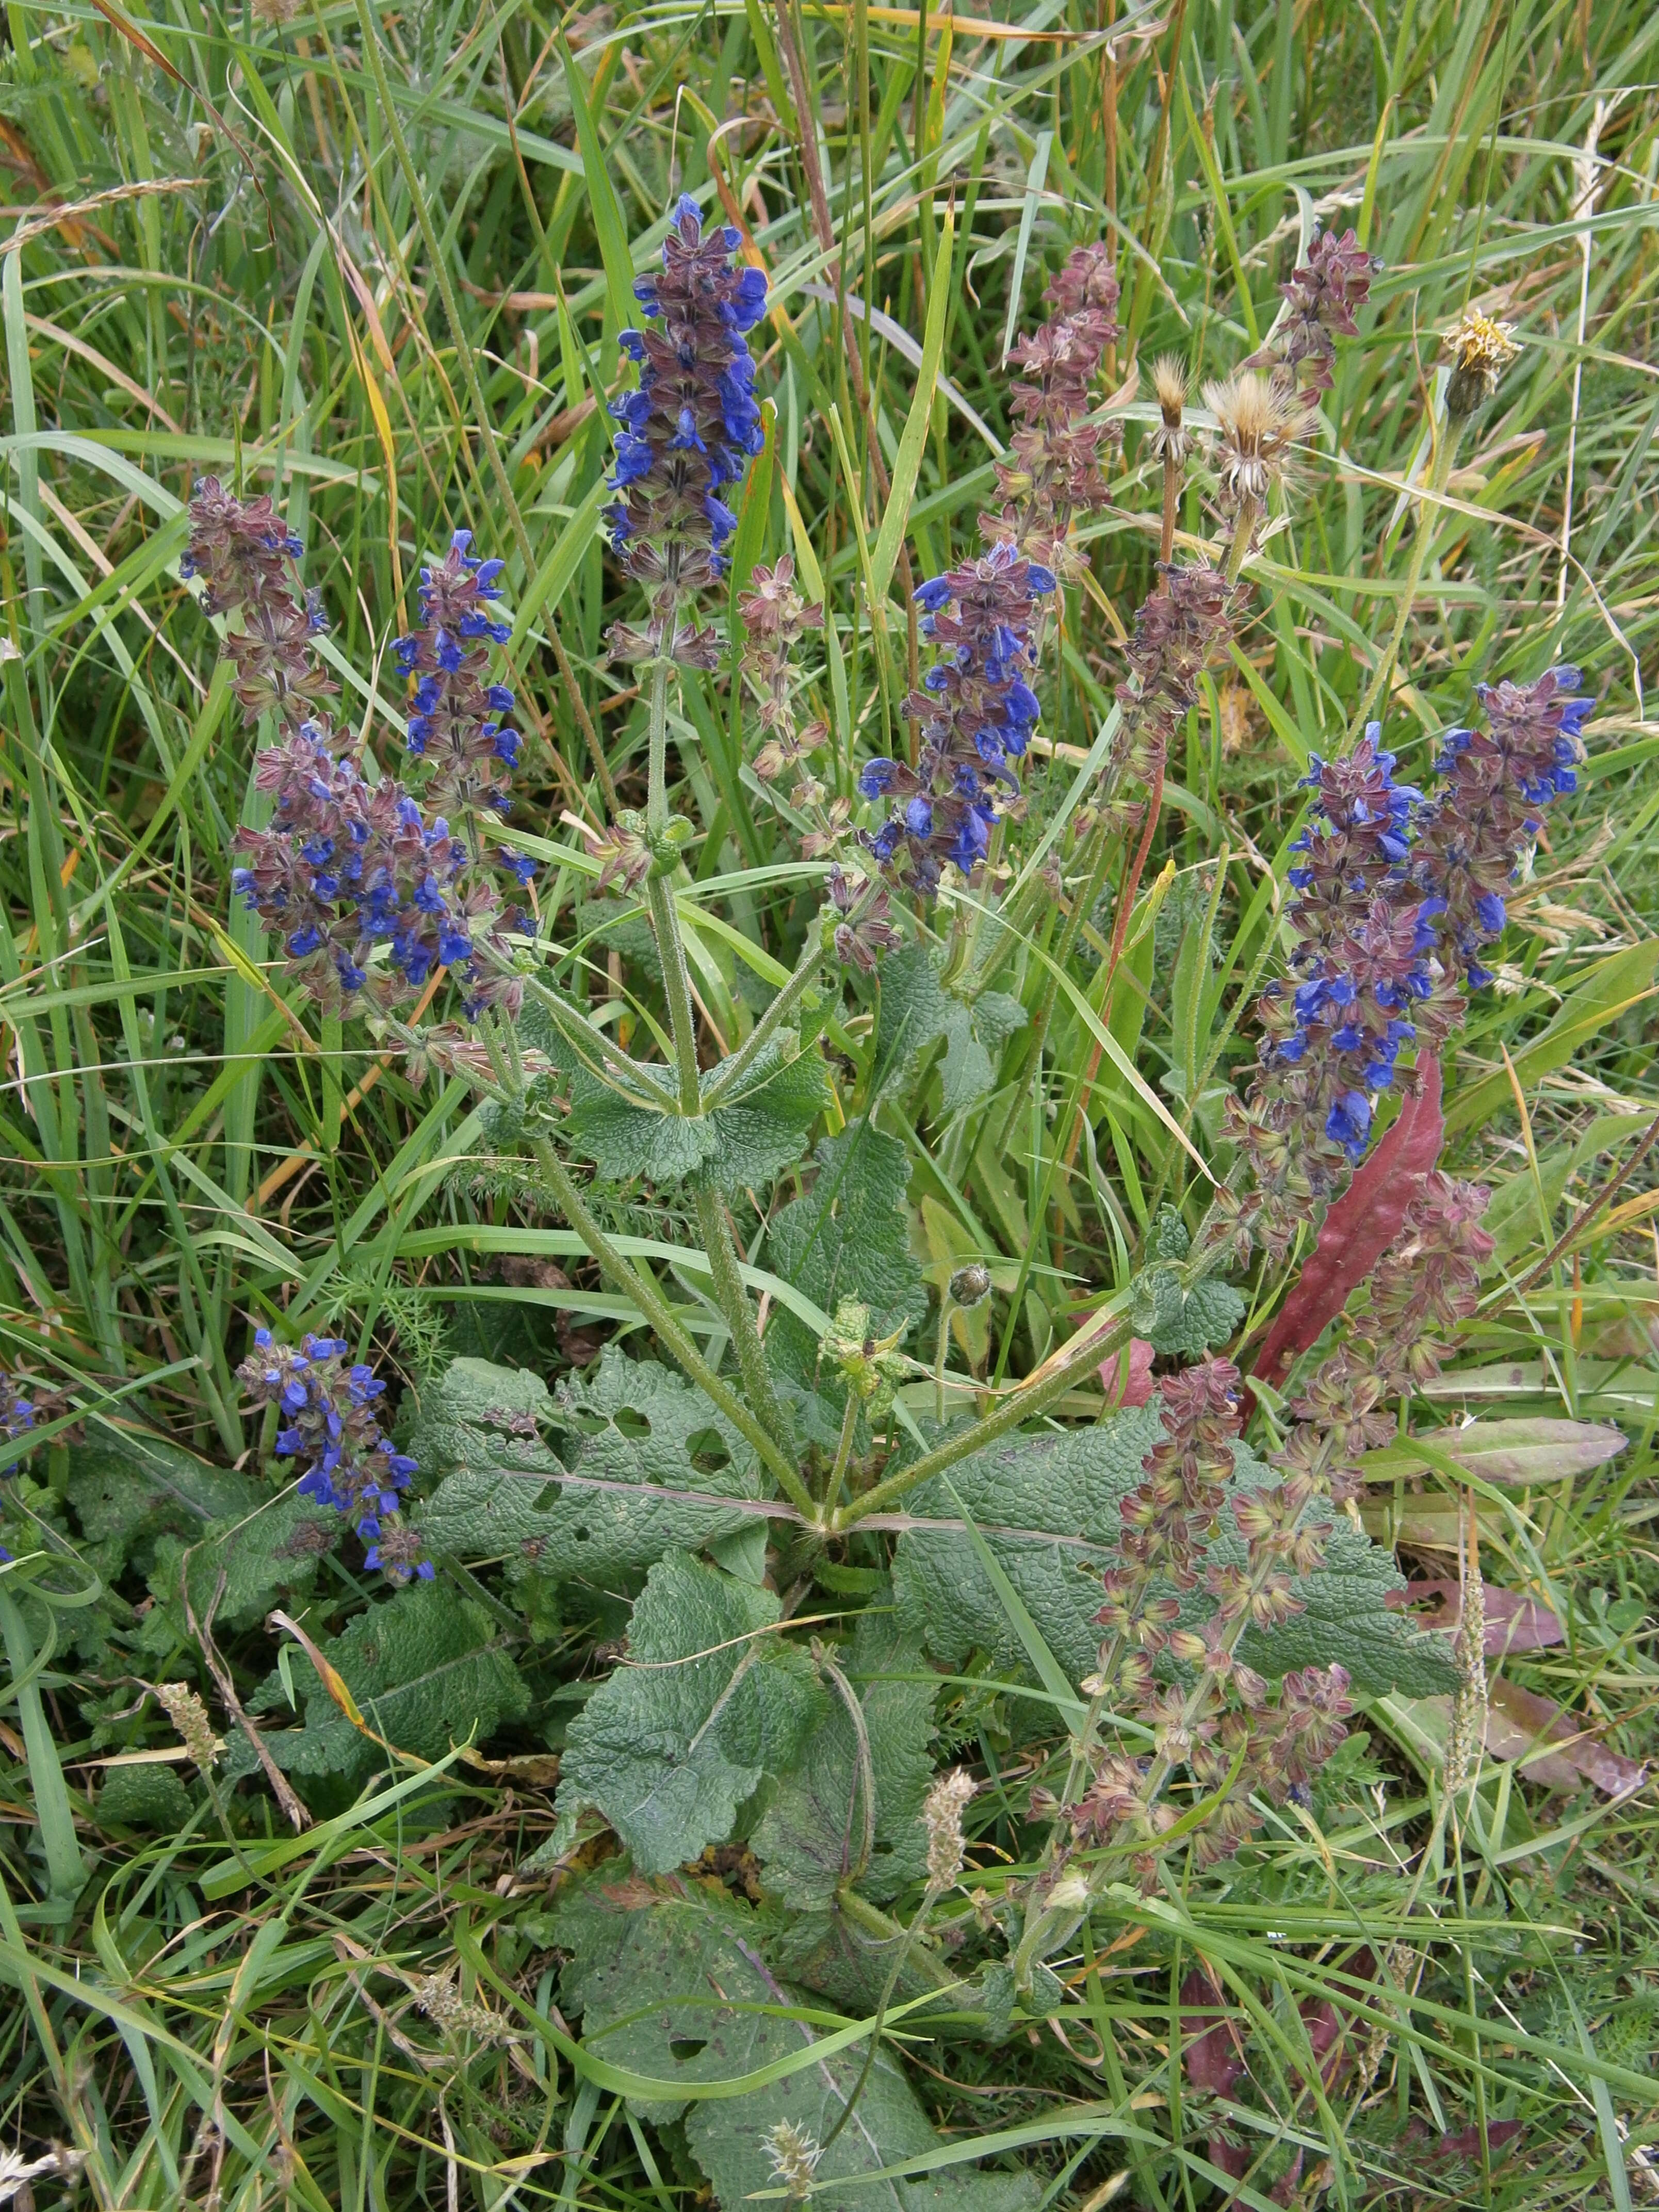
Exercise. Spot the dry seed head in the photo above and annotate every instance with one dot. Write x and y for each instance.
(1259, 425)
(189, 1717)
(278, 13)
(794, 2157)
(1170, 441)
(941, 1815)
(1481, 349)
(1170, 383)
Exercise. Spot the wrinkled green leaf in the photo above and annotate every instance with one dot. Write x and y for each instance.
(916, 1012)
(1184, 1323)
(813, 1837)
(631, 1432)
(849, 1238)
(750, 1138)
(130, 1489)
(148, 1796)
(707, 1703)
(275, 1554)
(1048, 1509)
(661, 1977)
(426, 1671)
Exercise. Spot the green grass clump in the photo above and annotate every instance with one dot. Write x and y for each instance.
(375, 265)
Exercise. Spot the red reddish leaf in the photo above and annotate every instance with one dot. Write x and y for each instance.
(1128, 1379)
(1328, 2027)
(1466, 2143)
(1553, 1747)
(1210, 2049)
(1514, 1623)
(1360, 1227)
(1211, 2060)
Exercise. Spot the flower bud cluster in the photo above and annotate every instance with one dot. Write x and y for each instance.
(1489, 804)
(794, 2155)
(865, 929)
(941, 1817)
(243, 552)
(975, 713)
(1056, 465)
(1207, 1711)
(454, 722)
(191, 1722)
(348, 866)
(1181, 630)
(330, 1420)
(688, 432)
(1481, 349)
(1421, 1288)
(776, 617)
(1325, 293)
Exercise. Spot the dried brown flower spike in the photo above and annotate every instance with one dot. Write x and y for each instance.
(941, 1815)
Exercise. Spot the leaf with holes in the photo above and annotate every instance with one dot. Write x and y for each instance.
(670, 1982)
(708, 1703)
(1048, 1509)
(645, 1463)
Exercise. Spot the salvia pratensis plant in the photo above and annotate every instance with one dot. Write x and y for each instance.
(1201, 1712)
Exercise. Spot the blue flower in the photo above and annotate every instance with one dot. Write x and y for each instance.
(349, 1467)
(1349, 1123)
